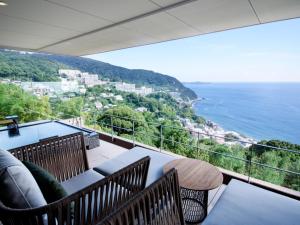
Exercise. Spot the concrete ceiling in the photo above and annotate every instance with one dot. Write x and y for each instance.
(81, 27)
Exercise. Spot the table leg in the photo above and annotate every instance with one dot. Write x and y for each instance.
(194, 204)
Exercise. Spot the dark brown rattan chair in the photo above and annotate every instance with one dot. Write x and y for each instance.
(65, 157)
(158, 204)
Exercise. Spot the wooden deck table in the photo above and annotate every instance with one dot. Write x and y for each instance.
(196, 178)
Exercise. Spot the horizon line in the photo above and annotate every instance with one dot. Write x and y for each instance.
(205, 82)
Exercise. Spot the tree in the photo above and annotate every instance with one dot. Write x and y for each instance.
(277, 158)
(262, 146)
(15, 101)
(122, 118)
(293, 180)
(177, 139)
(68, 108)
(228, 157)
(27, 67)
(271, 160)
(128, 123)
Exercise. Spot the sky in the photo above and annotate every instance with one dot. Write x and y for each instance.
(263, 53)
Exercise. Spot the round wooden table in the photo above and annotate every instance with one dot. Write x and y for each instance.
(196, 178)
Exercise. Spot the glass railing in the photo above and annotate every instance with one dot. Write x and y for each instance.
(273, 164)
(277, 165)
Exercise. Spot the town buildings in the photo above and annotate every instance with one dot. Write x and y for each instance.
(122, 86)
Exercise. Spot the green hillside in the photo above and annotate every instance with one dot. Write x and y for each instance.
(44, 67)
(24, 67)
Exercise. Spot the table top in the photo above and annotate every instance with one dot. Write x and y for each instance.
(246, 204)
(195, 174)
(32, 133)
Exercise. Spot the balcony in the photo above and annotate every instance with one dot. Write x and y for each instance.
(113, 146)
(243, 154)
(254, 190)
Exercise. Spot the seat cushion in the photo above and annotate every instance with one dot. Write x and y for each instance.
(18, 187)
(157, 161)
(81, 181)
(50, 187)
(245, 204)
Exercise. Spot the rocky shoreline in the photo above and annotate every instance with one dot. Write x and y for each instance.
(217, 133)
(212, 130)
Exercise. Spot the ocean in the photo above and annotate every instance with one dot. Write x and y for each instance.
(261, 111)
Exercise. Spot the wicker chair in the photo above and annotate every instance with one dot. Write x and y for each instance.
(65, 157)
(158, 204)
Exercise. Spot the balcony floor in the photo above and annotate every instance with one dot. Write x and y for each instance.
(108, 151)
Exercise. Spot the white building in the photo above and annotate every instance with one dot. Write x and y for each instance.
(98, 105)
(143, 91)
(91, 80)
(69, 85)
(53, 88)
(131, 88)
(40, 91)
(71, 74)
(5, 81)
(119, 97)
(16, 82)
(141, 109)
(88, 79)
(82, 90)
(42, 88)
(85, 78)
(175, 94)
(108, 95)
(125, 87)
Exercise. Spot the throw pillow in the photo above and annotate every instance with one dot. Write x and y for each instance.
(50, 187)
(18, 187)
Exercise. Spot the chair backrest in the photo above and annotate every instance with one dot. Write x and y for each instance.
(158, 204)
(88, 206)
(64, 157)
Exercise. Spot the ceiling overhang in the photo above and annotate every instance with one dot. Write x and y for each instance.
(77, 27)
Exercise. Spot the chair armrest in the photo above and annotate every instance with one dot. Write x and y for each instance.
(158, 204)
(89, 205)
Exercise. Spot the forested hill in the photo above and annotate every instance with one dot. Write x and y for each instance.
(117, 73)
(43, 67)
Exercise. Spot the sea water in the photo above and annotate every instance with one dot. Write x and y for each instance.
(258, 110)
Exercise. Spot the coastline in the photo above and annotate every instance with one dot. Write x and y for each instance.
(215, 131)
(198, 99)
(262, 111)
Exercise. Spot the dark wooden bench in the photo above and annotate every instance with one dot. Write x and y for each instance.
(65, 158)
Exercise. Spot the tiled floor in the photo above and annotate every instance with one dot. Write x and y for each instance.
(108, 151)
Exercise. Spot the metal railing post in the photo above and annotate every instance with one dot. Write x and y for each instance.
(161, 137)
(250, 164)
(133, 133)
(198, 136)
(95, 121)
(112, 128)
